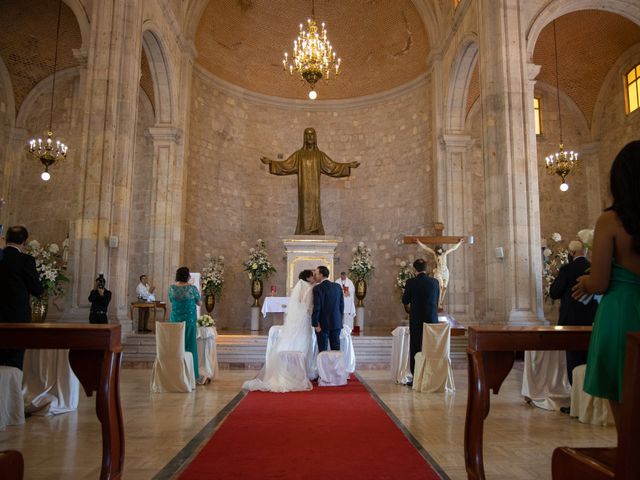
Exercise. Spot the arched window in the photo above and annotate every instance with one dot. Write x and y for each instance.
(537, 115)
(632, 90)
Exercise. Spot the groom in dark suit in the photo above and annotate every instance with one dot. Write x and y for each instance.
(328, 308)
(18, 279)
(422, 293)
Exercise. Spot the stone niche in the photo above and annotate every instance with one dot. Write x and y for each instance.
(309, 252)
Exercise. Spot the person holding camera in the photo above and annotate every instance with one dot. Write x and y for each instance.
(99, 298)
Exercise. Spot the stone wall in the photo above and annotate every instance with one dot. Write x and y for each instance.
(232, 200)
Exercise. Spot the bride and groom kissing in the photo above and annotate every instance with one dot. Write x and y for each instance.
(316, 304)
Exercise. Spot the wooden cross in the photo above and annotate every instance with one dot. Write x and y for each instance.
(438, 238)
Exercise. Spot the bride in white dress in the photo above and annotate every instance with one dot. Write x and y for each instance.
(281, 372)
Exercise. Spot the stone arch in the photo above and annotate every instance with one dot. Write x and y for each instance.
(9, 100)
(558, 8)
(458, 90)
(82, 17)
(161, 74)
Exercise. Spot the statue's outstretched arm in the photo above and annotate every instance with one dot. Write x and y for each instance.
(455, 247)
(424, 247)
(335, 169)
(282, 167)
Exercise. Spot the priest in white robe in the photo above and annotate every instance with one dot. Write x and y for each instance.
(349, 292)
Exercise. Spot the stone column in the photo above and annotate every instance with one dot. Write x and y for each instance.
(589, 158)
(508, 138)
(15, 149)
(110, 106)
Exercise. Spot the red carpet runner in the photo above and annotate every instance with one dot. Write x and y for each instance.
(328, 433)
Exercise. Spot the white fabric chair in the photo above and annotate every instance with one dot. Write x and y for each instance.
(433, 372)
(49, 386)
(331, 369)
(544, 380)
(11, 402)
(588, 409)
(173, 366)
(207, 355)
(346, 347)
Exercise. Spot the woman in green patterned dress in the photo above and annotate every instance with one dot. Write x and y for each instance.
(184, 298)
(615, 271)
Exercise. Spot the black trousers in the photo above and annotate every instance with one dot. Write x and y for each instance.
(415, 342)
(575, 358)
(332, 337)
(98, 317)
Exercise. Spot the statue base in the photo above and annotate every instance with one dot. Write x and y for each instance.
(309, 252)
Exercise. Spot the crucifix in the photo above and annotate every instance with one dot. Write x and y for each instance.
(441, 271)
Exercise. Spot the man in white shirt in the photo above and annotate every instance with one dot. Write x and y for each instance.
(144, 291)
(348, 291)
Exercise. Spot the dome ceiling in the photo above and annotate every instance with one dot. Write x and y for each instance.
(383, 44)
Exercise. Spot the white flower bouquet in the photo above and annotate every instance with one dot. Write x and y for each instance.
(554, 256)
(51, 264)
(213, 276)
(206, 321)
(258, 266)
(361, 266)
(586, 237)
(404, 274)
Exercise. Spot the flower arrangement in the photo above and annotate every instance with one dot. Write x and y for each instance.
(361, 267)
(258, 266)
(586, 237)
(51, 264)
(213, 275)
(404, 274)
(206, 321)
(554, 256)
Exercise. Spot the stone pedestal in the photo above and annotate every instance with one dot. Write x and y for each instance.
(255, 319)
(360, 318)
(308, 252)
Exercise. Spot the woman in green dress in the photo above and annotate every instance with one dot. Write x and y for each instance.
(184, 298)
(615, 271)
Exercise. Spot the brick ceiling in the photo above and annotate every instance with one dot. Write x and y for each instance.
(382, 43)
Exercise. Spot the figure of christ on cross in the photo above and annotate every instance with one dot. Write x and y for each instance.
(309, 163)
(441, 271)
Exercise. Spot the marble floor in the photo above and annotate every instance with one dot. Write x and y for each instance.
(519, 439)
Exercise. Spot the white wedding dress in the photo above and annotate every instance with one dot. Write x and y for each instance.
(282, 371)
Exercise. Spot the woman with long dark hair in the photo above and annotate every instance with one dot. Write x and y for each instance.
(615, 271)
(184, 298)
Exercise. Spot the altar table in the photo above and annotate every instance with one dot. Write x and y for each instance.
(274, 305)
(491, 351)
(147, 305)
(207, 355)
(95, 352)
(49, 386)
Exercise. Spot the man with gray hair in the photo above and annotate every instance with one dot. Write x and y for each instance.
(573, 312)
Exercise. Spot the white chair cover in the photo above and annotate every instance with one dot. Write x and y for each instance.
(11, 402)
(545, 380)
(207, 355)
(433, 372)
(588, 409)
(49, 386)
(173, 366)
(346, 347)
(293, 367)
(400, 369)
(331, 369)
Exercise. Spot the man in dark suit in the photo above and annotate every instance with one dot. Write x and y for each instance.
(328, 308)
(573, 312)
(422, 293)
(18, 279)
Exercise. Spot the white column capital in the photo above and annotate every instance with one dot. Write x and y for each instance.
(532, 71)
(164, 134)
(81, 55)
(455, 141)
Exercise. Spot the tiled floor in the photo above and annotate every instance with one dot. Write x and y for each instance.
(519, 439)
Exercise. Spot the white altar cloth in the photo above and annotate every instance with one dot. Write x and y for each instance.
(207, 353)
(49, 386)
(274, 305)
(545, 380)
(400, 371)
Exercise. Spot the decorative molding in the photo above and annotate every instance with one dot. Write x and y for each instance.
(455, 141)
(532, 71)
(161, 133)
(311, 105)
(81, 55)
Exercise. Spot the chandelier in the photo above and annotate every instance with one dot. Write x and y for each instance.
(49, 151)
(562, 162)
(313, 56)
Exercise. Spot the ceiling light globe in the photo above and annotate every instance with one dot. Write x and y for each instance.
(45, 176)
(313, 95)
(564, 186)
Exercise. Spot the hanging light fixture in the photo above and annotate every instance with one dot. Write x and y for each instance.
(313, 56)
(562, 162)
(49, 151)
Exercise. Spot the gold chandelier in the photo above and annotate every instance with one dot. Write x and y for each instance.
(313, 56)
(562, 162)
(49, 151)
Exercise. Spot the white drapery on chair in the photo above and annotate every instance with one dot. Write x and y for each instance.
(433, 372)
(49, 385)
(11, 402)
(332, 370)
(588, 409)
(544, 379)
(207, 355)
(173, 366)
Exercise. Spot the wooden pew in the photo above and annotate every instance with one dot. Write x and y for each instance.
(491, 351)
(11, 465)
(95, 353)
(601, 463)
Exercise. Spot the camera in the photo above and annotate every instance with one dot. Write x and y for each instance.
(101, 280)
